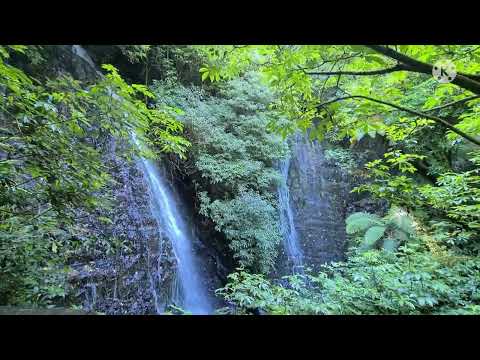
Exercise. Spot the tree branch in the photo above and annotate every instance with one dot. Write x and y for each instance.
(398, 67)
(465, 81)
(461, 101)
(411, 111)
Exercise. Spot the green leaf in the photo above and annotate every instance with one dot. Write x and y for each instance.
(401, 220)
(359, 222)
(390, 244)
(362, 48)
(373, 234)
(403, 48)
(4, 52)
(379, 59)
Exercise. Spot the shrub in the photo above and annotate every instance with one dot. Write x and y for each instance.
(235, 160)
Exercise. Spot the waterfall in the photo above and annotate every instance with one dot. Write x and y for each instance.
(287, 224)
(317, 195)
(187, 289)
(191, 294)
(83, 54)
(165, 211)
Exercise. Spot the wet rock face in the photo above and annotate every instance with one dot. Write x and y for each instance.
(321, 200)
(72, 60)
(138, 279)
(318, 193)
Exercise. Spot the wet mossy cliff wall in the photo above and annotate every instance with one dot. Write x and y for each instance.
(139, 277)
(321, 198)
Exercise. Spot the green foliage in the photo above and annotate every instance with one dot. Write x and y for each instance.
(412, 281)
(304, 76)
(135, 53)
(234, 158)
(390, 179)
(174, 64)
(247, 291)
(393, 230)
(451, 206)
(250, 223)
(342, 158)
(211, 73)
(402, 161)
(358, 222)
(458, 194)
(456, 203)
(51, 168)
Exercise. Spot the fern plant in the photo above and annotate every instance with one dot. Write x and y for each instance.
(388, 232)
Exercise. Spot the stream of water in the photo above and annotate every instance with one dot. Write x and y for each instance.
(290, 236)
(190, 291)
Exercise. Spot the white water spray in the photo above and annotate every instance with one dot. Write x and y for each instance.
(290, 236)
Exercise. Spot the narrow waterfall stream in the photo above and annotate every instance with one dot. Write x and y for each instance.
(189, 294)
(188, 291)
(165, 210)
(290, 236)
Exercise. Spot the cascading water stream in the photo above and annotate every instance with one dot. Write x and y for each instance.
(165, 210)
(290, 236)
(189, 292)
(317, 196)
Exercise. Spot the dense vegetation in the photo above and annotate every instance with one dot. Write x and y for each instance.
(51, 167)
(426, 264)
(225, 111)
(235, 158)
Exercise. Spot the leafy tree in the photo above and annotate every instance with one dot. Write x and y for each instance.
(349, 92)
(233, 160)
(310, 81)
(52, 136)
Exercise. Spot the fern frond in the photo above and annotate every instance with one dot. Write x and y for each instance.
(400, 219)
(372, 235)
(390, 244)
(361, 221)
